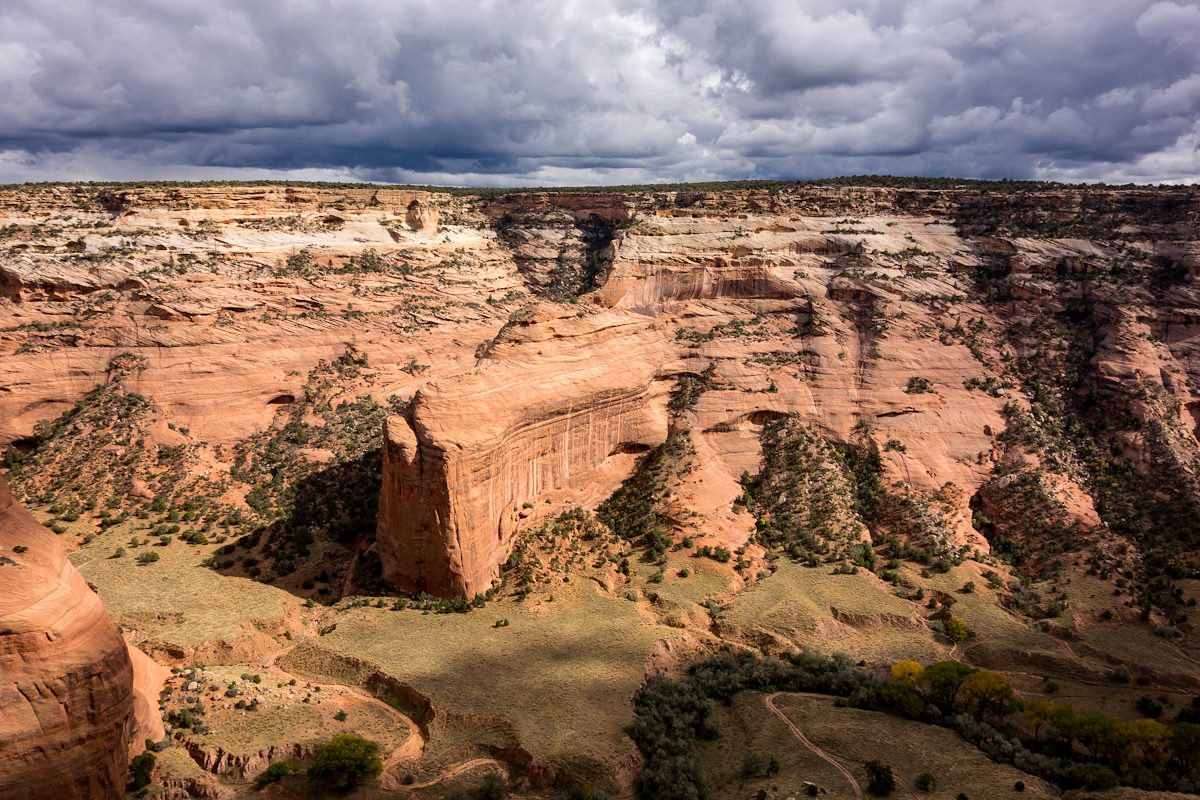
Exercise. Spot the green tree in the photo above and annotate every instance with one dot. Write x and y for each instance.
(345, 761)
(909, 672)
(276, 772)
(945, 678)
(1143, 743)
(988, 692)
(140, 770)
(1039, 713)
(1063, 720)
(956, 629)
(903, 699)
(1093, 730)
(880, 779)
(1185, 744)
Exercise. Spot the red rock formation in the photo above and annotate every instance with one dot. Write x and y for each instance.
(148, 679)
(66, 681)
(559, 394)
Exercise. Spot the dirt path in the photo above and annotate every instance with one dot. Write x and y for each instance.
(818, 752)
(408, 750)
(390, 782)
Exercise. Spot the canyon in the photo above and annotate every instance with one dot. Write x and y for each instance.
(284, 429)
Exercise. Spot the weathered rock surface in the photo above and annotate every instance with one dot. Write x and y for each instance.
(245, 766)
(148, 679)
(793, 312)
(560, 393)
(66, 680)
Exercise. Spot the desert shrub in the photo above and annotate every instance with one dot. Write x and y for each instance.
(925, 782)
(345, 761)
(147, 557)
(638, 510)
(493, 787)
(802, 497)
(272, 774)
(140, 770)
(688, 389)
(752, 765)
(880, 779)
(1149, 707)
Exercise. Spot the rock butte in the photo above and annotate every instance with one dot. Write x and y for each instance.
(558, 395)
(67, 683)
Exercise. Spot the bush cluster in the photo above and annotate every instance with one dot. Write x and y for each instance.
(1084, 750)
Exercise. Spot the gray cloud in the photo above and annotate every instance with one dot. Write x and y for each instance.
(605, 91)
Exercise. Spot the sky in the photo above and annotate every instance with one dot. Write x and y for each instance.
(558, 92)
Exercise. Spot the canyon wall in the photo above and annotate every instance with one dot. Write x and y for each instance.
(66, 680)
(560, 392)
(791, 310)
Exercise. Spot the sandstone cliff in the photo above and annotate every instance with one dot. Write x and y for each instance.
(66, 680)
(883, 319)
(559, 394)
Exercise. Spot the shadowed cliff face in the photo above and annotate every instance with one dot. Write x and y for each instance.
(66, 681)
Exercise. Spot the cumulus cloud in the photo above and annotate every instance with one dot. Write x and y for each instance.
(523, 92)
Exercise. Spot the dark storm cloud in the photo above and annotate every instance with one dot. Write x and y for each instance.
(534, 91)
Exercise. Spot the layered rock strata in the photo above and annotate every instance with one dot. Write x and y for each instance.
(876, 319)
(558, 395)
(66, 679)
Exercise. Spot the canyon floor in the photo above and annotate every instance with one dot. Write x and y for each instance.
(845, 416)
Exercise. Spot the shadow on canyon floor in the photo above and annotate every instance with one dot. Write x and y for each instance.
(321, 547)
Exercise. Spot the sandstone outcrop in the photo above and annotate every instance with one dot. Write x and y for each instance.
(148, 679)
(560, 393)
(66, 680)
